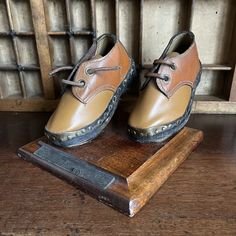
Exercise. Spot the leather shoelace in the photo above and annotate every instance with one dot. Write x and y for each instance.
(152, 74)
(156, 63)
(89, 71)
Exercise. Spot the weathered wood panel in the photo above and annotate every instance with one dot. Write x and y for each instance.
(212, 23)
(64, 29)
(161, 19)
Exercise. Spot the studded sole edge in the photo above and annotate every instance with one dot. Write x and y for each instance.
(163, 132)
(90, 132)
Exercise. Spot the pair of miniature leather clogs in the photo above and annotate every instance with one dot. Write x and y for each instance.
(97, 82)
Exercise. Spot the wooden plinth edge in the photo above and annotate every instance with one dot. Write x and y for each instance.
(157, 169)
(131, 195)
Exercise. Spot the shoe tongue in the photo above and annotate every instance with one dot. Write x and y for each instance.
(168, 56)
(171, 55)
(96, 57)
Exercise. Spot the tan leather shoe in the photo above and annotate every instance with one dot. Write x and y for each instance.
(95, 86)
(164, 105)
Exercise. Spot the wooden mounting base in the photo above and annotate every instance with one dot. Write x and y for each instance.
(113, 169)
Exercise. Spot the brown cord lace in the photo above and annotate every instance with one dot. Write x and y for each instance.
(156, 63)
(89, 71)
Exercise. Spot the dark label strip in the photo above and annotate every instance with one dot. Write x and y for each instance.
(74, 166)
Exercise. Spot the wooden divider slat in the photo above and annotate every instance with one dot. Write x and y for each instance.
(29, 105)
(232, 85)
(117, 18)
(14, 68)
(41, 36)
(77, 33)
(141, 33)
(232, 96)
(204, 67)
(71, 38)
(190, 13)
(93, 17)
(17, 33)
(16, 51)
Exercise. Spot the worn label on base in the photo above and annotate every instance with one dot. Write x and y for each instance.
(74, 166)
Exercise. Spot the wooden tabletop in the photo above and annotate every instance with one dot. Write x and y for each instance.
(198, 199)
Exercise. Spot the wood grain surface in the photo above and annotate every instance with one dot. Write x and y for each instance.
(138, 170)
(198, 199)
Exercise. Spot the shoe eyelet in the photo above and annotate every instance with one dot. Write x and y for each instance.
(173, 66)
(89, 72)
(166, 78)
(81, 83)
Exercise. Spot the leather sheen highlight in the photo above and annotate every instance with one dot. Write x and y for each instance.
(72, 114)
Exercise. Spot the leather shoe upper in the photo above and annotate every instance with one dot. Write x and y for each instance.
(93, 82)
(167, 92)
